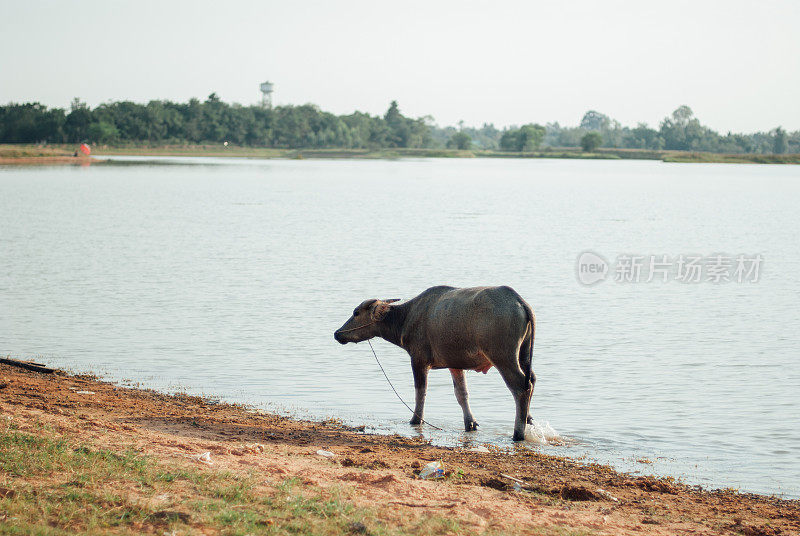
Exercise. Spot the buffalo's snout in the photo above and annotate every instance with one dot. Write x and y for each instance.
(338, 336)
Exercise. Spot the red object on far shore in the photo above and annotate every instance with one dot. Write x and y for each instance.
(85, 149)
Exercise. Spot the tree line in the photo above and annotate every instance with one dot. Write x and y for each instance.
(211, 121)
(306, 126)
(680, 131)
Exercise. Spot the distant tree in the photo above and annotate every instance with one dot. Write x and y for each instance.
(558, 136)
(102, 132)
(31, 123)
(393, 117)
(213, 110)
(419, 133)
(78, 120)
(359, 127)
(682, 115)
(793, 142)
(737, 143)
(531, 137)
(642, 137)
(525, 138)
(780, 144)
(461, 141)
(487, 137)
(591, 141)
(398, 131)
(509, 140)
(593, 120)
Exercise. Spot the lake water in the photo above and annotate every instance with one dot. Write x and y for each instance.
(227, 278)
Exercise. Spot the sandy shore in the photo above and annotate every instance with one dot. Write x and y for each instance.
(27, 155)
(372, 473)
(48, 161)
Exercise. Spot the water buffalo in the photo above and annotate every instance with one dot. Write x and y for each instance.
(460, 329)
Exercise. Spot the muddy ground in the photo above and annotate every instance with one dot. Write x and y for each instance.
(382, 470)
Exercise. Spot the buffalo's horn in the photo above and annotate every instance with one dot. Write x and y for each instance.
(392, 300)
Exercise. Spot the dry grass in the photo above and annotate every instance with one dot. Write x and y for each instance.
(32, 151)
(53, 485)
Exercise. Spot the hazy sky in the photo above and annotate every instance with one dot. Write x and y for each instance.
(736, 63)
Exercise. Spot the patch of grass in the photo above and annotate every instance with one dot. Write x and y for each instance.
(190, 150)
(60, 487)
(715, 158)
(29, 151)
(580, 155)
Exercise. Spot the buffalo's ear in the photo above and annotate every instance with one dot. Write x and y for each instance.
(380, 310)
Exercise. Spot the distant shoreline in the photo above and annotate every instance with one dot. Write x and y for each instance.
(11, 154)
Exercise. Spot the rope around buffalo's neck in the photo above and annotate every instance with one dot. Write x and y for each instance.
(395, 390)
(355, 328)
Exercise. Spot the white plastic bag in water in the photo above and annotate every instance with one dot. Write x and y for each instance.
(544, 434)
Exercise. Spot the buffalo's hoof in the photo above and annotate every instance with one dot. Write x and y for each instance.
(470, 426)
(415, 421)
(519, 436)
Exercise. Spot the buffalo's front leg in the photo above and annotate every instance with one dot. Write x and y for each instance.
(421, 387)
(462, 395)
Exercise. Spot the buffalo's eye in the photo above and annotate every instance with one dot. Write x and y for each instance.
(355, 313)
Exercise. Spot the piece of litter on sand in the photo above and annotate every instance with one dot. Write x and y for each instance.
(203, 458)
(84, 392)
(254, 448)
(479, 448)
(326, 453)
(606, 494)
(432, 470)
(517, 480)
(517, 487)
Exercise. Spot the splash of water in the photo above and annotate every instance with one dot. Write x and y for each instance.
(542, 434)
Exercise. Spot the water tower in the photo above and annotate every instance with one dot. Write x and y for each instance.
(266, 95)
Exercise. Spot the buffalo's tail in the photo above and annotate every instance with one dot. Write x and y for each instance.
(526, 348)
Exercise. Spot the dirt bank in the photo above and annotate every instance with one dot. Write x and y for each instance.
(23, 155)
(48, 161)
(378, 473)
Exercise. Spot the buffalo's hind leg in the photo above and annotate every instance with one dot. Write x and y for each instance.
(522, 390)
(462, 395)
